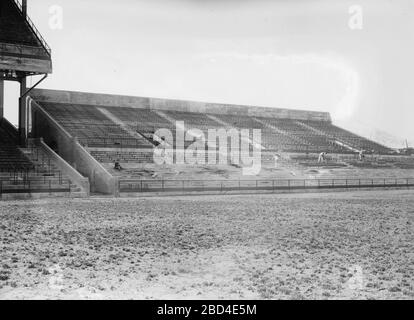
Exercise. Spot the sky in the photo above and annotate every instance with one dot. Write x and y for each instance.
(354, 59)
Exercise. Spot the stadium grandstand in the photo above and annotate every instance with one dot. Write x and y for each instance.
(110, 129)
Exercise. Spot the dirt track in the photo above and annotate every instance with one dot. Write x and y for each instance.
(337, 245)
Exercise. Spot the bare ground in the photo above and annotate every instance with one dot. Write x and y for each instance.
(357, 245)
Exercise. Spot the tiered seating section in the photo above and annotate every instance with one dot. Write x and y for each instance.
(96, 129)
(92, 127)
(11, 158)
(18, 32)
(143, 121)
(27, 170)
(196, 121)
(273, 139)
(344, 136)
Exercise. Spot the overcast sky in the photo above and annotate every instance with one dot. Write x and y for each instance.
(285, 53)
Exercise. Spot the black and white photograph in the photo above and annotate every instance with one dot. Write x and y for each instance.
(207, 150)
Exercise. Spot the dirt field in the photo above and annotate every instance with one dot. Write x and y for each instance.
(326, 246)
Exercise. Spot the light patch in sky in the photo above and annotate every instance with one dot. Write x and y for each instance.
(346, 106)
(310, 65)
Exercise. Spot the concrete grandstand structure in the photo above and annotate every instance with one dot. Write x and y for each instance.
(92, 131)
(67, 142)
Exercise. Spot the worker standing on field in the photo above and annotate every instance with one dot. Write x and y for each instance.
(322, 157)
(361, 155)
(276, 156)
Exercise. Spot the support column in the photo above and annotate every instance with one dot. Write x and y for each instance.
(22, 113)
(1, 99)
